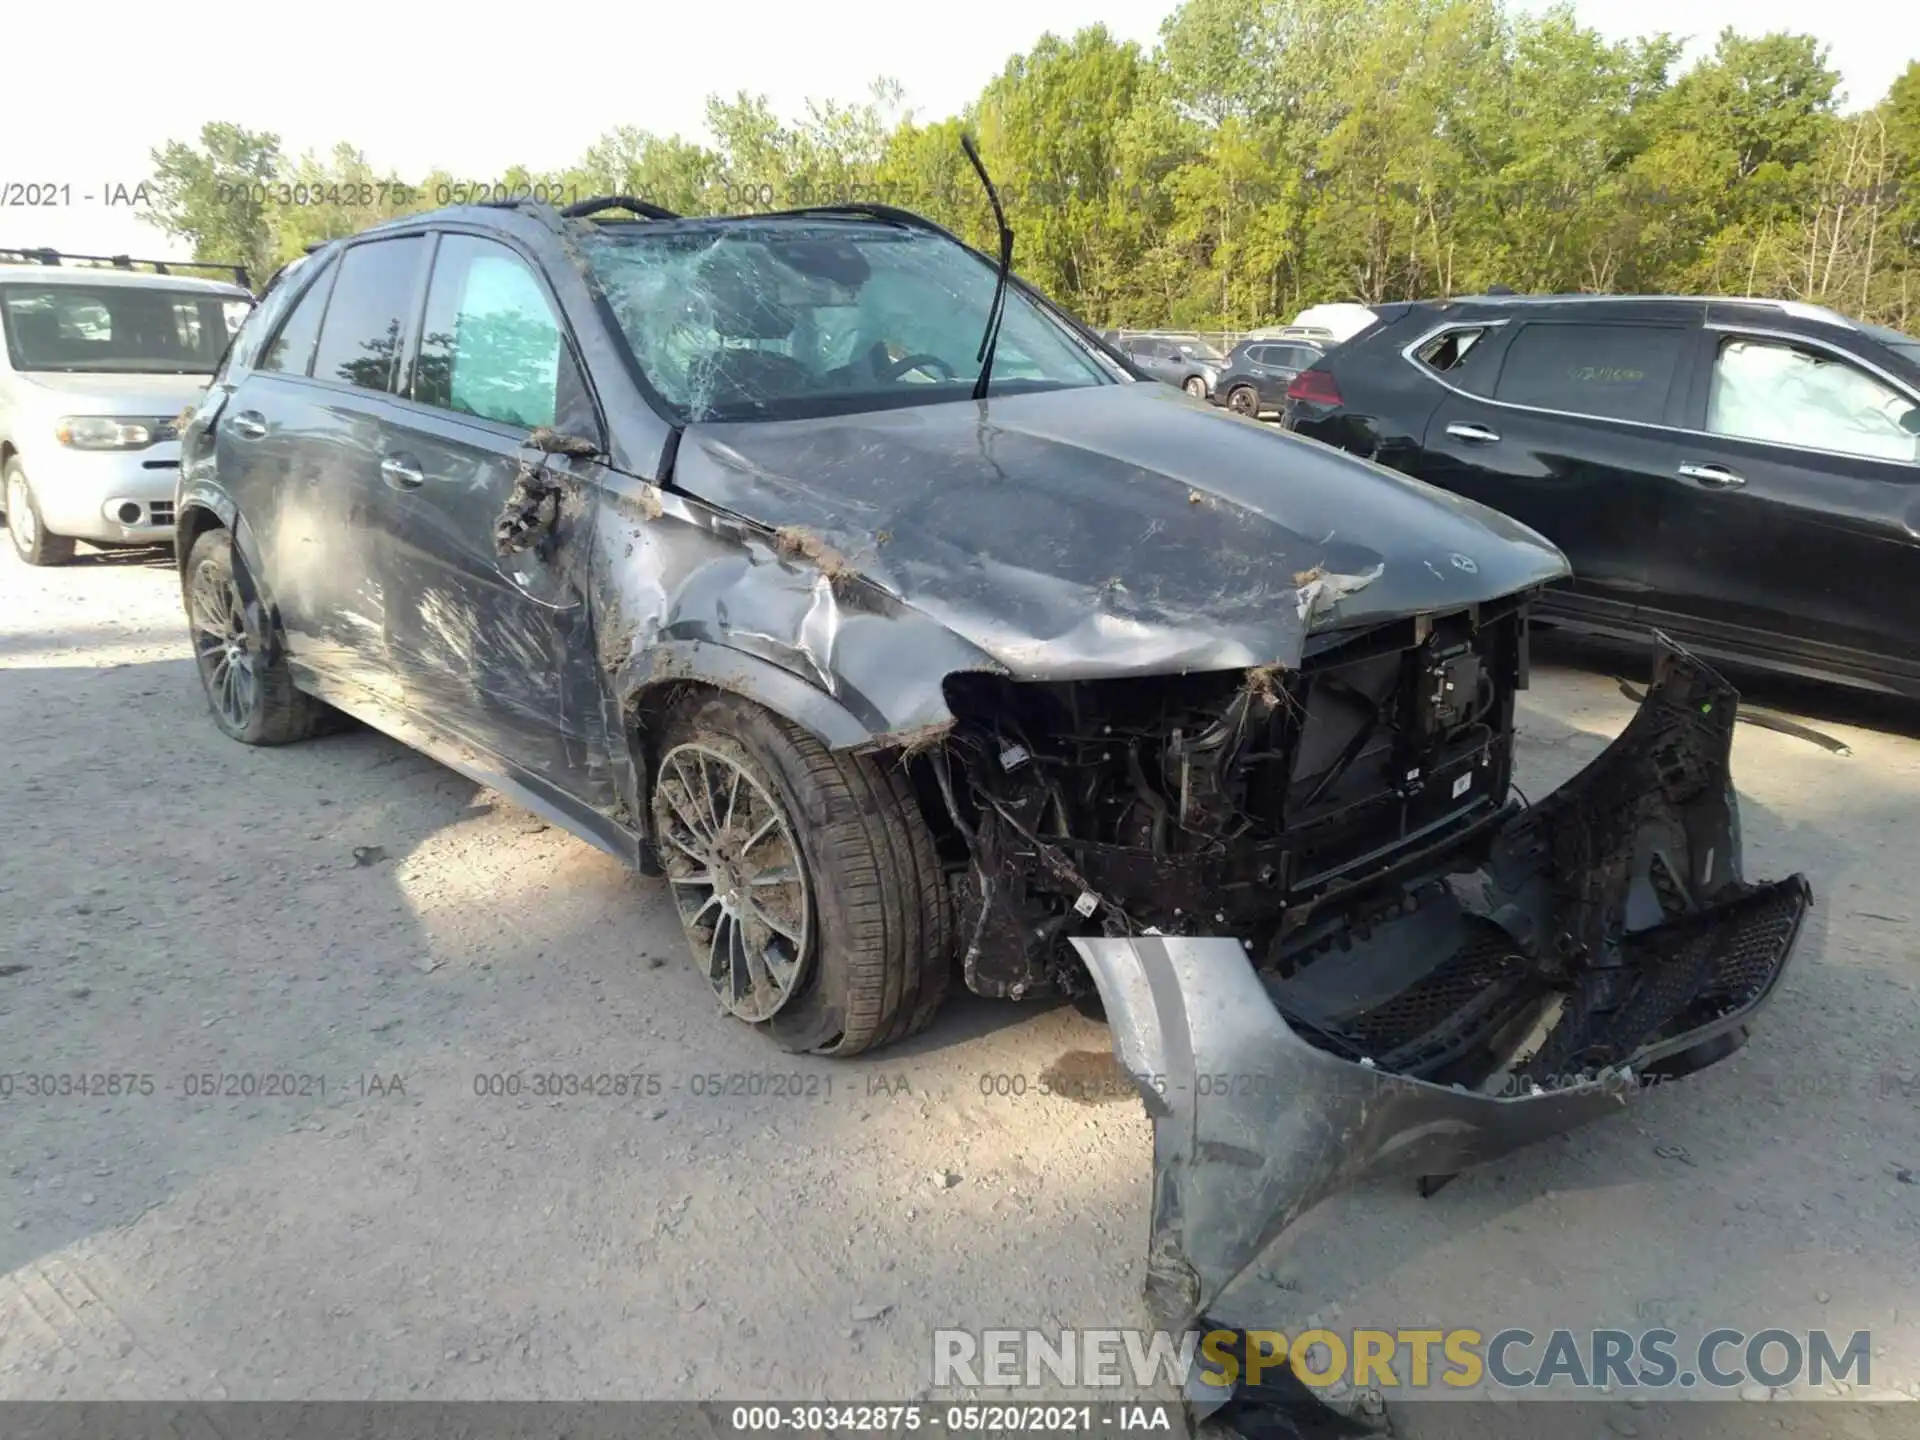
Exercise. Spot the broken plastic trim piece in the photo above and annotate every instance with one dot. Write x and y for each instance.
(1766, 720)
(530, 512)
(533, 506)
(1254, 1125)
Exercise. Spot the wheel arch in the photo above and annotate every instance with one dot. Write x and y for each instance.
(677, 665)
(189, 525)
(676, 669)
(202, 513)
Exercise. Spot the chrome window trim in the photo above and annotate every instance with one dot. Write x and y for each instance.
(1407, 353)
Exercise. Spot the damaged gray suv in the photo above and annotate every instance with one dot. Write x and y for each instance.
(813, 561)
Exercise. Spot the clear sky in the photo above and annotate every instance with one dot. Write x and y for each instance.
(419, 87)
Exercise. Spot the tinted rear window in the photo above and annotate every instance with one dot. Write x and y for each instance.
(368, 314)
(1619, 372)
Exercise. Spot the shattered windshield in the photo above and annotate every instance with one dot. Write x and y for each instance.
(788, 319)
(117, 329)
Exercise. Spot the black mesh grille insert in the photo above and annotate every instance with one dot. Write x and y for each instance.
(1686, 974)
(1435, 1019)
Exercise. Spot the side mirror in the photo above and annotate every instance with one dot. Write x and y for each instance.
(1910, 422)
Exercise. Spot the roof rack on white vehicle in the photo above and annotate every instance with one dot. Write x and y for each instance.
(47, 256)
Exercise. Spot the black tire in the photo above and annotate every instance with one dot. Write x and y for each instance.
(879, 948)
(1196, 386)
(1242, 401)
(269, 709)
(38, 545)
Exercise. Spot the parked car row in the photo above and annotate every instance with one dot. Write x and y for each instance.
(1250, 379)
(1743, 475)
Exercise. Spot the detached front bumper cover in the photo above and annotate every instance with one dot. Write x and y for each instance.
(1621, 920)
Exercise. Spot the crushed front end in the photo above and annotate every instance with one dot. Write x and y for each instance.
(1328, 943)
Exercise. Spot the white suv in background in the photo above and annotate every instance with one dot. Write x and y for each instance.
(97, 366)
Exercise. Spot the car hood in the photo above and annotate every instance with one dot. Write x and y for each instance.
(103, 393)
(1112, 530)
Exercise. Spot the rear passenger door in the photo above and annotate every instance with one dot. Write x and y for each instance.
(1559, 422)
(497, 649)
(319, 422)
(1794, 504)
(255, 459)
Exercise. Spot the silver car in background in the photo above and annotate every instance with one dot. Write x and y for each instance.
(1185, 362)
(97, 366)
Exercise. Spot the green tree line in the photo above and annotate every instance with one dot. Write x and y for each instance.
(1263, 156)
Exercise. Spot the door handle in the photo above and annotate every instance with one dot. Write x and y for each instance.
(402, 472)
(250, 424)
(1478, 434)
(1717, 477)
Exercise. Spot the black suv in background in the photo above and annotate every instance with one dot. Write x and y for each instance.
(1742, 474)
(1258, 372)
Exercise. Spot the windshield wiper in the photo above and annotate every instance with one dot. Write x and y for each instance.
(991, 339)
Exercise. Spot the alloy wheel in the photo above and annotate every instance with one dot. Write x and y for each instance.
(1197, 388)
(223, 648)
(737, 878)
(1241, 402)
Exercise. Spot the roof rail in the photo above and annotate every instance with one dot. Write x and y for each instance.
(48, 256)
(1807, 310)
(593, 205)
(1801, 309)
(892, 214)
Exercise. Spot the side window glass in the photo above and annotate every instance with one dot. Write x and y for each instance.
(291, 350)
(491, 345)
(1260, 355)
(1787, 395)
(1617, 372)
(367, 318)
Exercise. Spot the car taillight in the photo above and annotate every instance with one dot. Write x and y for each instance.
(1314, 386)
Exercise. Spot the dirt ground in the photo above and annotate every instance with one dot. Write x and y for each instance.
(348, 914)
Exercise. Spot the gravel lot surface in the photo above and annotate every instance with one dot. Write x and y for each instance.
(350, 915)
